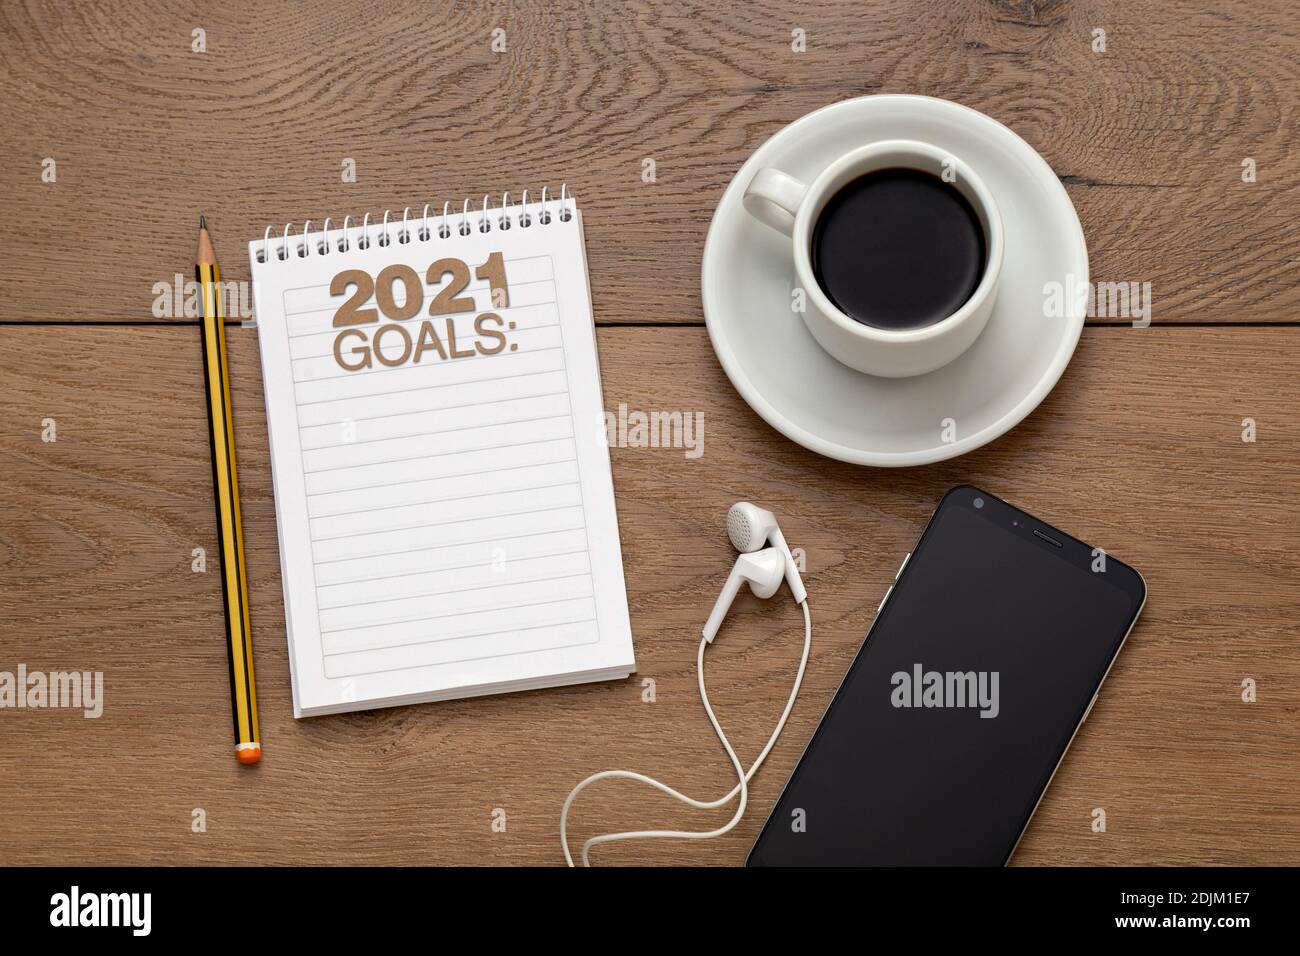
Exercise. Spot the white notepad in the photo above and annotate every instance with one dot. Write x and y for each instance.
(442, 483)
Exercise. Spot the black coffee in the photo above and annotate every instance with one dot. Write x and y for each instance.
(898, 249)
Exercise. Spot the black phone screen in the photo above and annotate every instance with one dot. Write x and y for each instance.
(978, 669)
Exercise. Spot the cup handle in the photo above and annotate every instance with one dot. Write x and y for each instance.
(773, 198)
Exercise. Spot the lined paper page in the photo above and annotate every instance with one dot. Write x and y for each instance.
(441, 504)
(479, 476)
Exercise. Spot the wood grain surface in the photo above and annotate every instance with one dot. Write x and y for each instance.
(1138, 449)
(1149, 136)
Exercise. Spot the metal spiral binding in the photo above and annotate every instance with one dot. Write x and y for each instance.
(451, 222)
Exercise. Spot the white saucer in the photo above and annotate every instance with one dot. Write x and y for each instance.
(800, 390)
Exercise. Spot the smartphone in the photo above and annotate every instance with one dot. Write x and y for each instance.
(984, 659)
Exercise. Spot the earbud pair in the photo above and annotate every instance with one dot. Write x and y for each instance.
(750, 528)
(764, 559)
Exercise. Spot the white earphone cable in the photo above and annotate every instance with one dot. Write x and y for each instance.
(741, 788)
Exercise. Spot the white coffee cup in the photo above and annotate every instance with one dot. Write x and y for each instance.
(789, 206)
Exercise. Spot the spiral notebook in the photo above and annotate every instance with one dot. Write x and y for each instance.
(442, 483)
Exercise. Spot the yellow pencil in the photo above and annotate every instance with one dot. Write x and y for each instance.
(225, 481)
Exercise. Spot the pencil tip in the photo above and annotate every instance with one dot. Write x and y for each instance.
(203, 222)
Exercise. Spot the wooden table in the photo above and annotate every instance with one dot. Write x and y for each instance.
(1139, 447)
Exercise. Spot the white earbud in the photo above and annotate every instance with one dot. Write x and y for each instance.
(750, 527)
(762, 571)
(762, 568)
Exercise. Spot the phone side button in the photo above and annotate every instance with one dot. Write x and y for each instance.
(1091, 703)
(884, 599)
(903, 565)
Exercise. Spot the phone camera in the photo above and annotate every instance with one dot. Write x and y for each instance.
(978, 502)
